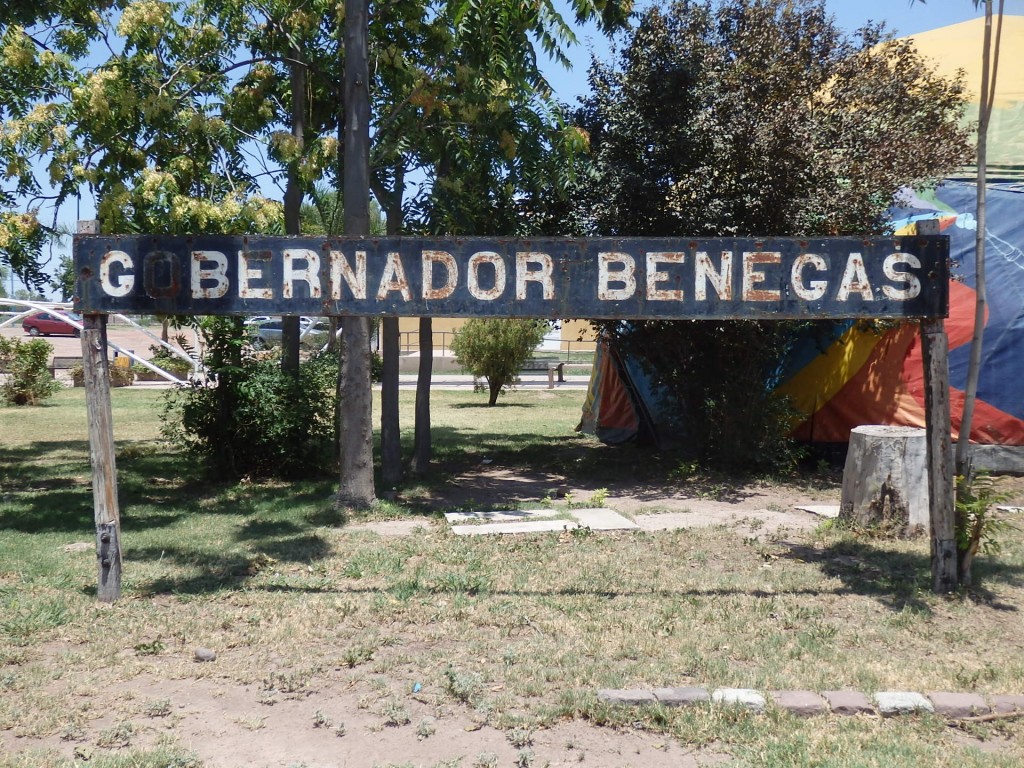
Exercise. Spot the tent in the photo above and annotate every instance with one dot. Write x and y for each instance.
(624, 403)
(865, 376)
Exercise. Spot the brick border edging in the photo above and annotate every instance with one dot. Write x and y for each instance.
(952, 706)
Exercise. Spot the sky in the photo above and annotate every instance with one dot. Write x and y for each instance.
(900, 16)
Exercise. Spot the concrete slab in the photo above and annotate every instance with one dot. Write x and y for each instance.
(891, 703)
(957, 705)
(535, 526)
(1007, 704)
(632, 696)
(800, 703)
(603, 520)
(821, 510)
(500, 515)
(745, 697)
(848, 703)
(681, 697)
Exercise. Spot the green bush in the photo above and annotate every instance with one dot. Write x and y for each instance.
(256, 420)
(496, 348)
(28, 375)
(119, 376)
(162, 358)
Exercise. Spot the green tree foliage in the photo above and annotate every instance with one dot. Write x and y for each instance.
(257, 421)
(496, 348)
(28, 379)
(700, 127)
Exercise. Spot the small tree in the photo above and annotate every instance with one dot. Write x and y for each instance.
(496, 348)
(29, 381)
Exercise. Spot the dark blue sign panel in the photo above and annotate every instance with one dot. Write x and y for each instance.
(493, 277)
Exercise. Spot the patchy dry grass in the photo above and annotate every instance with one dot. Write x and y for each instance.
(516, 632)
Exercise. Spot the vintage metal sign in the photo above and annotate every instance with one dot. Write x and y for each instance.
(548, 278)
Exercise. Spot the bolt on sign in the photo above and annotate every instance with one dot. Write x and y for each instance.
(772, 278)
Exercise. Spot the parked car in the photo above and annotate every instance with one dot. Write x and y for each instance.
(258, 319)
(51, 324)
(268, 333)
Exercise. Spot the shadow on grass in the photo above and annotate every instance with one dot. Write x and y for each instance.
(898, 580)
(216, 572)
(645, 472)
(48, 487)
(497, 406)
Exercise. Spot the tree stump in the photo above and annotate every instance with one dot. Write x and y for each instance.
(885, 480)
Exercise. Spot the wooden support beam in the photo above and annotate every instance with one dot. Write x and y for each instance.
(96, 377)
(935, 348)
(101, 452)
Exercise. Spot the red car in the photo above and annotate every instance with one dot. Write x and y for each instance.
(51, 323)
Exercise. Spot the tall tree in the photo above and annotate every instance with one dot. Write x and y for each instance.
(989, 70)
(967, 539)
(700, 128)
(355, 433)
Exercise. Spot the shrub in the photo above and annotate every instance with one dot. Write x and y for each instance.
(119, 376)
(496, 348)
(256, 420)
(29, 381)
(162, 358)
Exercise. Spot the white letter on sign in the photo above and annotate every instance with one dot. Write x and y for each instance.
(721, 278)
(913, 288)
(122, 286)
(451, 275)
(342, 270)
(247, 273)
(626, 276)
(542, 275)
(752, 275)
(310, 274)
(473, 279)
(394, 278)
(816, 288)
(218, 274)
(654, 259)
(855, 280)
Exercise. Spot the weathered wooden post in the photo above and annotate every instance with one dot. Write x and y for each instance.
(935, 349)
(96, 378)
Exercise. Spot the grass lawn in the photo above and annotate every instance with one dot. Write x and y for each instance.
(513, 633)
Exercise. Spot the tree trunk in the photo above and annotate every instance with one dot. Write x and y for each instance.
(355, 428)
(885, 480)
(989, 69)
(390, 428)
(421, 442)
(293, 206)
(494, 388)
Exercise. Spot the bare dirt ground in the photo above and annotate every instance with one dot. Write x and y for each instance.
(226, 726)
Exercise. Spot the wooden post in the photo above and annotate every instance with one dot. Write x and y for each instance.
(96, 378)
(935, 348)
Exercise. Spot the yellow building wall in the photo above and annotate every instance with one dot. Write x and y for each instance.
(444, 327)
